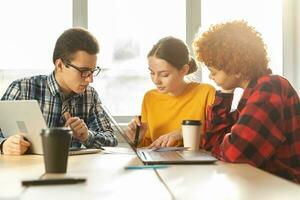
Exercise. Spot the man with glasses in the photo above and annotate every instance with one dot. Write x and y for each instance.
(65, 97)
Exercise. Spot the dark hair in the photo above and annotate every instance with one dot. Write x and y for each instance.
(175, 52)
(73, 40)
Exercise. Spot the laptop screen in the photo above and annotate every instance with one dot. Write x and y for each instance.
(118, 128)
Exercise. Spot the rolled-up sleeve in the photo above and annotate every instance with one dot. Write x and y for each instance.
(100, 130)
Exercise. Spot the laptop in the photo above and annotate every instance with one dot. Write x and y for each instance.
(168, 155)
(25, 117)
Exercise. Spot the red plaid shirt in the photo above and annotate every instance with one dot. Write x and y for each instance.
(263, 131)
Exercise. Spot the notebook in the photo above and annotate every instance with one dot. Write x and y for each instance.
(169, 155)
(25, 116)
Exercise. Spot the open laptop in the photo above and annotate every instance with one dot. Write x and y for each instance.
(25, 117)
(167, 155)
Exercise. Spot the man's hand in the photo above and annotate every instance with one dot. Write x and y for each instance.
(15, 145)
(77, 125)
(168, 140)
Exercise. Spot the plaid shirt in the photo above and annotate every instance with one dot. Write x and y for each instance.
(86, 106)
(264, 131)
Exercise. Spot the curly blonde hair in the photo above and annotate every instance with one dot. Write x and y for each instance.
(234, 47)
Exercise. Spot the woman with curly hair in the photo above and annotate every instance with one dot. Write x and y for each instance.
(264, 130)
(173, 99)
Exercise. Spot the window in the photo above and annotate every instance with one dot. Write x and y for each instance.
(126, 31)
(29, 31)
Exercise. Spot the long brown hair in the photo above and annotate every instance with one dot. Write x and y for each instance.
(175, 52)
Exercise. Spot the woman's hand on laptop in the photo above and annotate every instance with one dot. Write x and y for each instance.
(15, 145)
(79, 128)
(168, 140)
(131, 128)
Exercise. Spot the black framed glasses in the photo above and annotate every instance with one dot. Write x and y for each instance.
(84, 72)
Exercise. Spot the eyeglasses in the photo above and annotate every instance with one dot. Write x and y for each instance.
(84, 72)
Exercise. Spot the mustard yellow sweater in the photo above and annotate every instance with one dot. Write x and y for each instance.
(164, 113)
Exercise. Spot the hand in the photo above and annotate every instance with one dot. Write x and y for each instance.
(130, 131)
(77, 125)
(168, 140)
(15, 145)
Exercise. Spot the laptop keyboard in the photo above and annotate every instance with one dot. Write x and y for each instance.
(165, 155)
(178, 156)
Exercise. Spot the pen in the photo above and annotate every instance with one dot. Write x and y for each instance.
(146, 167)
(137, 134)
(102, 148)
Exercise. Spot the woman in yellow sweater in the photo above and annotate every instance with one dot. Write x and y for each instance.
(174, 99)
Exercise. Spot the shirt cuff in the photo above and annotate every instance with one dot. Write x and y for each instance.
(90, 139)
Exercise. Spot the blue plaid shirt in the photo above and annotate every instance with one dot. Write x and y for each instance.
(86, 106)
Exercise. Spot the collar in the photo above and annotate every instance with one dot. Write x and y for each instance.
(54, 87)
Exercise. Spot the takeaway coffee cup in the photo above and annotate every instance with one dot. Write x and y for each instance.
(191, 133)
(56, 142)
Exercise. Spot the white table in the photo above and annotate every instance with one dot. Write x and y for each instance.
(107, 179)
(227, 181)
(105, 173)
